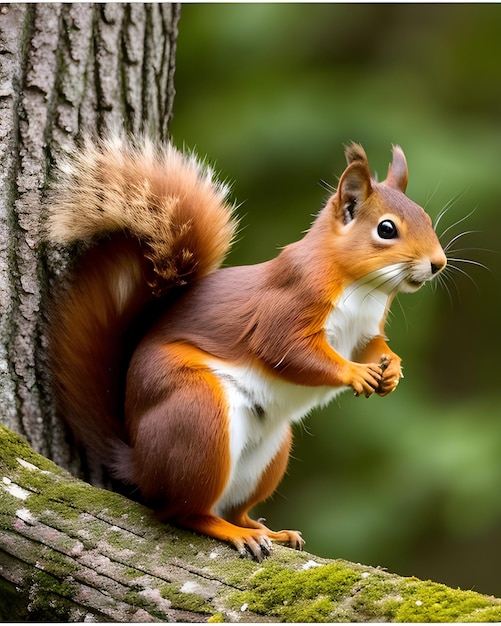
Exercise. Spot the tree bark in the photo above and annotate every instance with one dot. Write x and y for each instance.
(72, 552)
(65, 69)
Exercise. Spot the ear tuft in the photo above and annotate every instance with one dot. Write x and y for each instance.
(397, 172)
(355, 152)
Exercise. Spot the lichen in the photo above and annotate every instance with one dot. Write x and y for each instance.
(185, 601)
(50, 598)
(241, 569)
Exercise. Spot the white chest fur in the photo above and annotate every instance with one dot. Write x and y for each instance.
(355, 318)
(261, 407)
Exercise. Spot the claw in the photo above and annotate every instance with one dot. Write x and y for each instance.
(243, 553)
(257, 548)
(266, 546)
(385, 361)
(253, 550)
(298, 543)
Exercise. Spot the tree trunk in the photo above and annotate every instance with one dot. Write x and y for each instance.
(72, 552)
(65, 68)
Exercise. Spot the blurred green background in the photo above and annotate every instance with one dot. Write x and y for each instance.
(270, 93)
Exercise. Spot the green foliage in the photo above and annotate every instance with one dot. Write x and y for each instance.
(271, 92)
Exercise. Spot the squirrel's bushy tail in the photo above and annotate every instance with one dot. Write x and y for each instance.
(168, 200)
(156, 220)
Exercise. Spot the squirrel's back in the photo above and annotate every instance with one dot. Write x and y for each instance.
(162, 222)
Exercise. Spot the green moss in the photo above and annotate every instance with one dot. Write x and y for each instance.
(84, 497)
(132, 573)
(433, 602)
(180, 542)
(185, 601)
(217, 618)
(53, 585)
(491, 614)
(52, 489)
(381, 597)
(52, 600)
(342, 592)
(14, 447)
(179, 601)
(310, 595)
(57, 564)
(241, 568)
(376, 597)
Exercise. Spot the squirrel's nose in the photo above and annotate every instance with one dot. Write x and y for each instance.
(438, 264)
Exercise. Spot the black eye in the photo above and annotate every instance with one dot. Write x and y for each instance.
(387, 230)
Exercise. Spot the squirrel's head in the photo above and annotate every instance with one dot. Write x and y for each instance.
(379, 232)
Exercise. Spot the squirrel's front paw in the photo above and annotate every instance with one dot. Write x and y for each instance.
(392, 373)
(365, 378)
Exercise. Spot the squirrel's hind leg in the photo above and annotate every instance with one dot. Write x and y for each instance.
(180, 456)
(248, 536)
(264, 489)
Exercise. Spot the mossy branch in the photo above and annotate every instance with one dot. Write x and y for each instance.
(71, 552)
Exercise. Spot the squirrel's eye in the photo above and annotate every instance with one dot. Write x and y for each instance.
(387, 230)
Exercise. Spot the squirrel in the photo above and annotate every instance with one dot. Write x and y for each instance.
(184, 378)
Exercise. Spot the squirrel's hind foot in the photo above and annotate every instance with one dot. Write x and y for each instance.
(253, 542)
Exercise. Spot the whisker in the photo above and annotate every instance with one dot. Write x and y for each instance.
(447, 277)
(404, 313)
(378, 280)
(461, 271)
(444, 280)
(459, 221)
(393, 280)
(448, 205)
(463, 234)
(367, 280)
(471, 262)
(438, 282)
(327, 186)
(431, 196)
(456, 250)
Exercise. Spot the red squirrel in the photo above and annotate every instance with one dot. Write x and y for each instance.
(183, 377)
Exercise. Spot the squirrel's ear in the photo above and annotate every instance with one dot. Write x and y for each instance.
(354, 187)
(397, 172)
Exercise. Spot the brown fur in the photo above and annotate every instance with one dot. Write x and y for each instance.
(163, 227)
(165, 223)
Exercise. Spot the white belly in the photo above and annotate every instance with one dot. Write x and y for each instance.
(260, 411)
(261, 407)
